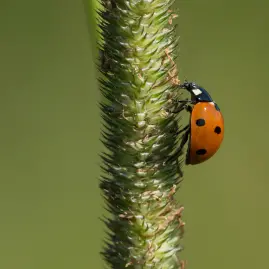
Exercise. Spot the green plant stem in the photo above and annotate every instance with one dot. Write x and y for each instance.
(138, 83)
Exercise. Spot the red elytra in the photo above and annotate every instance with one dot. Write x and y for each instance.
(206, 132)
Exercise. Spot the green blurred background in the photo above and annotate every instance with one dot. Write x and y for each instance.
(49, 197)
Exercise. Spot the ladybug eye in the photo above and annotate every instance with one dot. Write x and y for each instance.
(217, 130)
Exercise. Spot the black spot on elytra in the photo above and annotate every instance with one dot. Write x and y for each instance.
(217, 130)
(200, 122)
(201, 151)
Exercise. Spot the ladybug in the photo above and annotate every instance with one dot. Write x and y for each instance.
(206, 128)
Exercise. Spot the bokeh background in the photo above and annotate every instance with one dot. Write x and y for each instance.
(50, 203)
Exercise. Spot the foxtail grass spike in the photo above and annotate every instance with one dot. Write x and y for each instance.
(138, 81)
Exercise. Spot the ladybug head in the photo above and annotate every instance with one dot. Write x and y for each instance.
(189, 85)
(198, 93)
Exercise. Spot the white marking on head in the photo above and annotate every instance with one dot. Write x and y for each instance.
(196, 91)
(212, 103)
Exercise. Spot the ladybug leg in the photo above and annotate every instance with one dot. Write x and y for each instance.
(182, 130)
(184, 140)
(189, 108)
(186, 105)
(176, 132)
(179, 109)
(184, 101)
